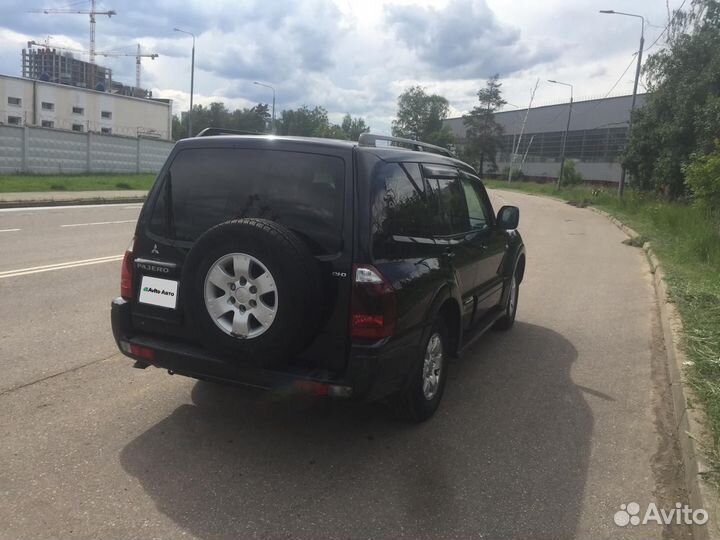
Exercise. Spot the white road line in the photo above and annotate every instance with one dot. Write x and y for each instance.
(57, 266)
(100, 223)
(9, 230)
(35, 208)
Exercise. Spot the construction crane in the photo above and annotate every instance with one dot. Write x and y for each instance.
(137, 56)
(92, 12)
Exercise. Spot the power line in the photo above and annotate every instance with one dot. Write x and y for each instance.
(675, 13)
(632, 61)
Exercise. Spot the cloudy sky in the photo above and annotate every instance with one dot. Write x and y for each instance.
(352, 56)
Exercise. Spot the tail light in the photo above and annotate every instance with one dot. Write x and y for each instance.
(374, 307)
(126, 274)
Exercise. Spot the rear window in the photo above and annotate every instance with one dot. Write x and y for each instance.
(301, 191)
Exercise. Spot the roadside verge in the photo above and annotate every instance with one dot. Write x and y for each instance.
(689, 420)
(35, 199)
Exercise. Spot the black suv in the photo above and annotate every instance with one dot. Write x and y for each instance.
(338, 268)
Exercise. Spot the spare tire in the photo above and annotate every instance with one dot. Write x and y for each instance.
(251, 290)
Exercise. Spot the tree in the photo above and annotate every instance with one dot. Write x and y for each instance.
(420, 116)
(353, 127)
(304, 122)
(255, 119)
(484, 134)
(681, 116)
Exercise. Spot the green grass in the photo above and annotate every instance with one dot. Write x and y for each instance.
(686, 239)
(87, 182)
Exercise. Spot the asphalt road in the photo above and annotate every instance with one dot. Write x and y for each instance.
(544, 431)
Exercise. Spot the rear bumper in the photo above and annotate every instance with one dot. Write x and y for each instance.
(371, 372)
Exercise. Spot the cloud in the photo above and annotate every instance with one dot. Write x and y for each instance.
(345, 55)
(464, 40)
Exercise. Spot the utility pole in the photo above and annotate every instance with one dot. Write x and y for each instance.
(621, 187)
(567, 129)
(192, 79)
(522, 130)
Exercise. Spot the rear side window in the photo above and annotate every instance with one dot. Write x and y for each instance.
(301, 191)
(399, 204)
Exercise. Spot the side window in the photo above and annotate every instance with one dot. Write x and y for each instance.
(477, 212)
(399, 204)
(449, 211)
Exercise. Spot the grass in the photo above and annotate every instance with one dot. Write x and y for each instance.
(686, 239)
(86, 182)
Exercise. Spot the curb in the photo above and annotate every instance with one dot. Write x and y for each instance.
(70, 202)
(689, 421)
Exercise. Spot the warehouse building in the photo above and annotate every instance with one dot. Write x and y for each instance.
(27, 102)
(596, 137)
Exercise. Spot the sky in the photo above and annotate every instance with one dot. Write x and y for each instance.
(352, 56)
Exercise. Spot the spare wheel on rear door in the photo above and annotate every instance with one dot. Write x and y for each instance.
(252, 290)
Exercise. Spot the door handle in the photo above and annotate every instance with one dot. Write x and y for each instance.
(449, 253)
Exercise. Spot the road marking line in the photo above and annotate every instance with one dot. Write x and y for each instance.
(100, 223)
(34, 208)
(9, 230)
(58, 266)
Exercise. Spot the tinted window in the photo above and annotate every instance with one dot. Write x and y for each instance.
(477, 213)
(399, 205)
(450, 214)
(302, 191)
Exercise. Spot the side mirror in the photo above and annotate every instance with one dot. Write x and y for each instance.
(508, 217)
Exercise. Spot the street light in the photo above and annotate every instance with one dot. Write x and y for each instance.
(273, 105)
(567, 128)
(192, 79)
(621, 187)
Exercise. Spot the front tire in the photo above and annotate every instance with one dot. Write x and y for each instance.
(422, 396)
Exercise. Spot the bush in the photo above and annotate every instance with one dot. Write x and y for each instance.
(702, 176)
(517, 175)
(123, 185)
(570, 176)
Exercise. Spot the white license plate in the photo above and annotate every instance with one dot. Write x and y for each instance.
(158, 292)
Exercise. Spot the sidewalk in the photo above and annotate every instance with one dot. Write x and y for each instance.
(56, 198)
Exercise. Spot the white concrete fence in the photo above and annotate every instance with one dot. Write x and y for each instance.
(36, 150)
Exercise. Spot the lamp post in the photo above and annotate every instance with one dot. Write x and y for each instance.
(621, 187)
(567, 128)
(273, 104)
(192, 79)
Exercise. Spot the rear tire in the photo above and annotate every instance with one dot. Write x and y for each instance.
(422, 396)
(508, 319)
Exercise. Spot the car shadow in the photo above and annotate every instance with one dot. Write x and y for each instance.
(506, 456)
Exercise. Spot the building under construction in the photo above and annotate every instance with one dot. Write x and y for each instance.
(52, 65)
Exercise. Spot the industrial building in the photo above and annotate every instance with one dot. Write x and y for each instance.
(596, 137)
(29, 102)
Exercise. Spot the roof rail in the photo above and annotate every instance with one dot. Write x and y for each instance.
(212, 131)
(370, 139)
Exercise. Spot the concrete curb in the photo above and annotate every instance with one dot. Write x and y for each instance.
(70, 202)
(690, 421)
